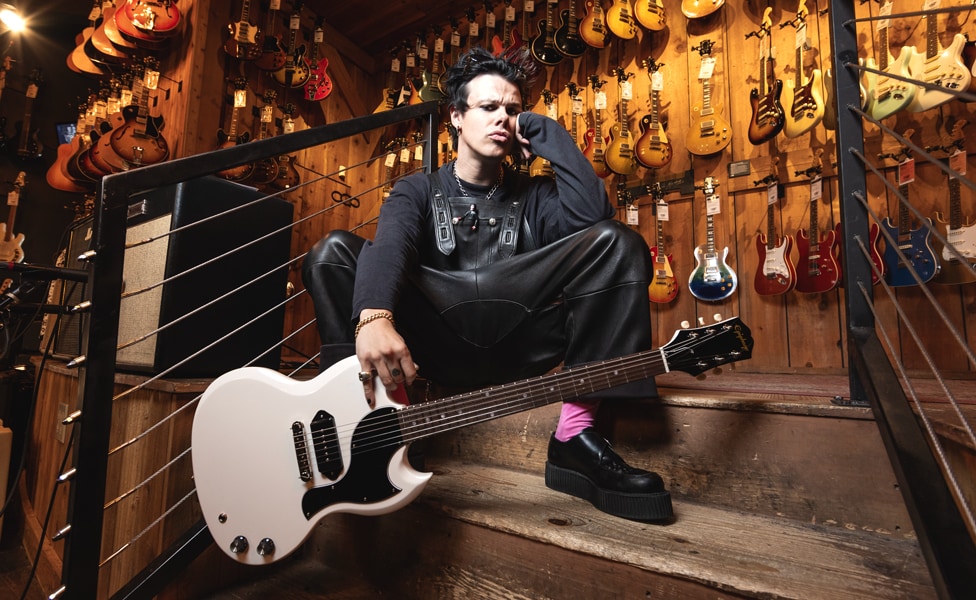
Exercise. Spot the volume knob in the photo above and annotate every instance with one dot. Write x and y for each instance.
(239, 545)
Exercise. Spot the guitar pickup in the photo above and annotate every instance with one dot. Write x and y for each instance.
(325, 443)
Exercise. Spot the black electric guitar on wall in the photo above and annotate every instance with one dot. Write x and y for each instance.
(273, 456)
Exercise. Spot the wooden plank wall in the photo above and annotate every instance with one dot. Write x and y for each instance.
(795, 332)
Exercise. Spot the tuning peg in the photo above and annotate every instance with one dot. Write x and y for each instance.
(701, 321)
(717, 317)
(685, 325)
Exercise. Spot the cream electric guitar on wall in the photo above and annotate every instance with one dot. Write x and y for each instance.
(709, 132)
(12, 246)
(939, 66)
(274, 456)
(958, 231)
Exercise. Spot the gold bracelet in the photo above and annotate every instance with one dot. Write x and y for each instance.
(370, 319)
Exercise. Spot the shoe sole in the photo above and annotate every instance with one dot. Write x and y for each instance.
(639, 507)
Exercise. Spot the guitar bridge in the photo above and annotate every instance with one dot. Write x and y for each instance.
(301, 451)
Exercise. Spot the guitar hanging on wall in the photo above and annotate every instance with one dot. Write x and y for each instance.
(912, 243)
(653, 147)
(708, 132)
(804, 96)
(273, 456)
(887, 95)
(768, 117)
(319, 84)
(230, 138)
(713, 279)
(942, 67)
(28, 147)
(816, 268)
(620, 154)
(776, 274)
(12, 246)
(295, 73)
(664, 285)
(595, 145)
(959, 231)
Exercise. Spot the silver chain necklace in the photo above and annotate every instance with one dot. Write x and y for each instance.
(491, 192)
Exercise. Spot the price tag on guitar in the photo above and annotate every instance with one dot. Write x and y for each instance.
(713, 205)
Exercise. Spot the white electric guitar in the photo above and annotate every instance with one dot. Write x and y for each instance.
(12, 246)
(273, 456)
(942, 67)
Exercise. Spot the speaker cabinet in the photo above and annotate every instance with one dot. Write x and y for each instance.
(211, 280)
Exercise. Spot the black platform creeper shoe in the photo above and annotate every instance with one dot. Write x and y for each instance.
(588, 468)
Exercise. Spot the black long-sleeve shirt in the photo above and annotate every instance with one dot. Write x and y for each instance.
(576, 200)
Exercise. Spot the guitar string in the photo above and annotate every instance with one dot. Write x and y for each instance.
(504, 397)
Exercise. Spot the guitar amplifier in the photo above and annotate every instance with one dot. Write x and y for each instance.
(199, 279)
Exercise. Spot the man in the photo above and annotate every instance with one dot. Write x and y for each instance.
(495, 276)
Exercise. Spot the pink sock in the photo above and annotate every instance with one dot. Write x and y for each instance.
(575, 417)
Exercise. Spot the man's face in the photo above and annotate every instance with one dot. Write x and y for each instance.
(487, 128)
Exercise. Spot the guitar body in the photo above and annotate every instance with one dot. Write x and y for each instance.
(619, 155)
(288, 176)
(256, 483)
(594, 152)
(776, 274)
(566, 38)
(696, 9)
(429, 89)
(807, 106)
(620, 19)
(946, 70)
(11, 250)
(240, 172)
(57, 174)
(874, 235)
(651, 14)
(952, 270)
(244, 41)
(708, 133)
(542, 46)
(272, 56)
(87, 176)
(319, 84)
(917, 248)
(106, 51)
(160, 17)
(137, 35)
(296, 74)
(593, 26)
(664, 286)
(768, 117)
(713, 279)
(816, 268)
(138, 145)
(889, 96)
(653, 147)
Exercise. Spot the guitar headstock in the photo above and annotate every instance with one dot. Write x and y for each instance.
(651, 64)
(20, 181)
(622, 74)
(595, 82)
(624, 196)
(695, 351)
(708, 186)
(574, 90)
(547, 97)
(767, 21)
(657, 192)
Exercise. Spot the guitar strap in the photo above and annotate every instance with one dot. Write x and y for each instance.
(444, 222)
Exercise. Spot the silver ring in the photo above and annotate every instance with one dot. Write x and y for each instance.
(365, 376)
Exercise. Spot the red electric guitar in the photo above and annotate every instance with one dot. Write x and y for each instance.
(776, 274)
(816, 269)
(319, 85)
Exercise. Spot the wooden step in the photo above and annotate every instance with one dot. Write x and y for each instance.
(487, 532)
(801, 457)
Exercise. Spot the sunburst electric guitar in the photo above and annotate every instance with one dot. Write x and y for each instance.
(713, 279)
(274, 456)
(768, 117)
(653, 146)
(595, 151)
(803, 96)
(709, 132)
(651, 14)
(696, 9)
(664, 285)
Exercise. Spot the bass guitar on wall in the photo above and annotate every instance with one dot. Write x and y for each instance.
(274, 456)
(713, 279)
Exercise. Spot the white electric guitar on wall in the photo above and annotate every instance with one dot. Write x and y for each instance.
(273, 456)
(943, 67)
(12, 246)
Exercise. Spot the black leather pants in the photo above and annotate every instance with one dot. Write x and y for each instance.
(580, 299)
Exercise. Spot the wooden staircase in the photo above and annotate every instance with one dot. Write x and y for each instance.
(776, 496)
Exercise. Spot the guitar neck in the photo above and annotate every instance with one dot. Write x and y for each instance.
(710, 234)
(430, 418)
